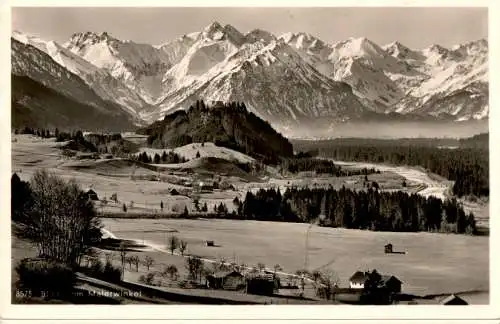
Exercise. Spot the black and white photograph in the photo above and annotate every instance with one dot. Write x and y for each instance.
(249, 156)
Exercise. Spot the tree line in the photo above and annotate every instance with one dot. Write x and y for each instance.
(40, 132)
(369, 210)
(321, 166)
(165, 158)
(468, 167)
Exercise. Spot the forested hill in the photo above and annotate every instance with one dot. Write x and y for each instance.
(468, 167)
(230, 125)
(477, 141)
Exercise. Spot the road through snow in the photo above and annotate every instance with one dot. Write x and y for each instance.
(433, 187)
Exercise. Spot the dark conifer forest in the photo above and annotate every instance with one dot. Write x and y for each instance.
(369, 210)
(467, 165)
(226, 124)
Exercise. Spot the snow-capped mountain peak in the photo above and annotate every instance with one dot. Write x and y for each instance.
(435, 48)
(477, 47)
(290, 77)
(84, 38)
(98, 79)
(259, 35)
(357, 47)
(215, 32)
(303, 41)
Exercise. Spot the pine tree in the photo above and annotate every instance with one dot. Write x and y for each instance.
(157, 158)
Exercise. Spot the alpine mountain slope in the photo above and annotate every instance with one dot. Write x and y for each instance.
(288, 80)
(45, 94)
(100, 80)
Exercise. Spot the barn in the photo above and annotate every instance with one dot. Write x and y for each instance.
(261, 284)
(91, 195)
(387, 282)
(388, 248)
(391, 283)
(205, 186)
(228, 280)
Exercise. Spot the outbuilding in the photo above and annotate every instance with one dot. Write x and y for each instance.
(228, 280)
(453, 300)
(91, 195)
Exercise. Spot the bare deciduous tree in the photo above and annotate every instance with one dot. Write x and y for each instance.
(194, 265)
(61, 220)
(171, 270)
(173, 243)
(130, 261)
(182, 246)
(325, 281)
(123, 257)
(148, 261)
(135, 261)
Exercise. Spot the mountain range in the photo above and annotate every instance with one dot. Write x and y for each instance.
(289, 80)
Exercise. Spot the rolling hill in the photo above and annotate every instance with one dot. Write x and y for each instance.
(227, 125)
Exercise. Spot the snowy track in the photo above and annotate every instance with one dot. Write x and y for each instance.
(432, 187)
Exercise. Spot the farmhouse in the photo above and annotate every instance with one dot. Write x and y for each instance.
(91, 195)
(228, 280)
(357, 280)
(205, 186)
(388, 282)
(388, 248)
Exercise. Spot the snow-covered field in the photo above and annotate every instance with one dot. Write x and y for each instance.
(344, 251)
(30, 153)
(189, 152)
(341, 250)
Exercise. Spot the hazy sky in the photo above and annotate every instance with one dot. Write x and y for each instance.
(414, 27)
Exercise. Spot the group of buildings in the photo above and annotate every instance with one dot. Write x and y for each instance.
(388, 287)
(257, 284)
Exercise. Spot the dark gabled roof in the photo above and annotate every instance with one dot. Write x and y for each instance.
(358, 276)
(260, 276)
(223, 274)
(90, 191)
(387, 278)
(453, 299)
(388, 244)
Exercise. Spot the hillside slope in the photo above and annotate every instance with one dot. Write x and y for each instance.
(35, 105)
(99, 80)
(53, 96)
(229, 125)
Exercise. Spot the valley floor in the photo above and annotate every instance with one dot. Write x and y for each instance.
(459, 263)
(433, 263)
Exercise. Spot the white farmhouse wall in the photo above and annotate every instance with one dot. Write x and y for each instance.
(356, 285)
